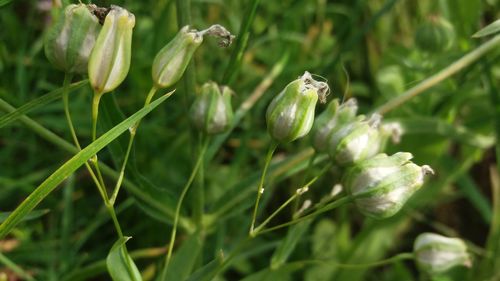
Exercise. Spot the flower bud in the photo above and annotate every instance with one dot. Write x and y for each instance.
(70, 40)
(290, 114)
(330, 120)
(382, 184)
(211, 111)
(110, 60)
(355, 141)
(172, 60)
(437, 254)
(435, 36)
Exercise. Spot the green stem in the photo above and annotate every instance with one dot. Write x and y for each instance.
(441, 75)
(133, 132)
(179, 205)
(95, 113)
(326, 208)
(260, 187)
(199, 191)
(15, 268)
(295, 195)
(310, 164)
(67, 81)
(398, 257)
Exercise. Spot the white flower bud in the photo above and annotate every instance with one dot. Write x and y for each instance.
(436, 254)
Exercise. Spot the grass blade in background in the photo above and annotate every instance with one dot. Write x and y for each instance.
(70, 166)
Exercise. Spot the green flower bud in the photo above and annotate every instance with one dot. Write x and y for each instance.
(70, 40)
(435, 36)
(172, 60)
(290, 114)
(211, 111)
(437, 254)
(110, 60)
(330, 120)
(355, 141)
(382, 184)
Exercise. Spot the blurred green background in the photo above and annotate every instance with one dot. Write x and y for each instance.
(364, 49)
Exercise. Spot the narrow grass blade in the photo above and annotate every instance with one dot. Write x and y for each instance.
(31, 216)
(490, 29)
(70, 166)
(37, 103)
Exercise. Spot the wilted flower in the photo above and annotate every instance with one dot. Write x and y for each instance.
(355, 141)
(110, 60)
(330, 120)
(172, 60)
(437, 254)
(70, 40)
(382, 184)
(211, 111)
(290, 114)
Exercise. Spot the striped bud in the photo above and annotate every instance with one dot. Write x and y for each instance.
(110, 60)
(437, 254)
(172, 60)
(211, 111)
(382, 184)
(435, 36)
(290, 114)
(70, 40)
(330, 120)
(355, 141)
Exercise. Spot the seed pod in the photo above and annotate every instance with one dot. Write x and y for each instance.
(290, 114)
(435, 36)
(437, 254)
(211, 111)
(355, 141)
(70, 40)
(330, 120)
(110, 60)
(382, 184)
(172, 60)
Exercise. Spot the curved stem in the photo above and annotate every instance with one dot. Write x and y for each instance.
(133, 131)
(67, 81)
(260, 187)
(179, 205)
(310, 164)
(297, 194)
(326, 208)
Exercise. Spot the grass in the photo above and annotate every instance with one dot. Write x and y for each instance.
(446, 103)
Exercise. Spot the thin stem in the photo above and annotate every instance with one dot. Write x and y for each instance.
(179, 205)
(310, 164)
(295, 195)
(133, 132)
(95, 112)
(67, 80)
(441, 75)
(326, 208)
(199, 192)
(260, 187)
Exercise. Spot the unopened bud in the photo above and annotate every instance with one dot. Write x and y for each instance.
(70, 40)
(290, 114)
(437, 254)
(435, 36)
(211, 111)
(110, 60)
(382, 184)
(172, 60)
(330, 120)
(355, 141)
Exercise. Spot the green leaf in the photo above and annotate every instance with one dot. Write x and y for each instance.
(31, 216)
(207, 270)
(120, 265)
(490, 29)
(38, 102)
(184, 259)
(286, 247)
(46, 187)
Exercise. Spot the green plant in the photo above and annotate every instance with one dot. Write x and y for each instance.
(201, 198)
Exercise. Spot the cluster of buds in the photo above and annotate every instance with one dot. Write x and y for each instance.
(436, 254)
(211, 111)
